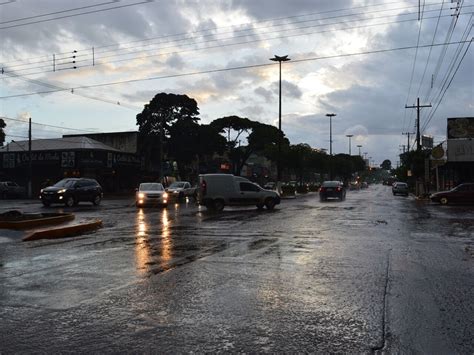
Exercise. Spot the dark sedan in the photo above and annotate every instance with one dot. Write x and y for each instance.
(332, 189)
(463, 193)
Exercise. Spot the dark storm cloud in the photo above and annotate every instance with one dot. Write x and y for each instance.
(288, 89)
(102, 28)
(268, 95)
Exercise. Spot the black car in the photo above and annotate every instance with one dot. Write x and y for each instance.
(334, 189)
(72, 191)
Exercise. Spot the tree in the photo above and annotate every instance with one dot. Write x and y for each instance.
(386, 165)
(190, 142)
(157, 118)
(2, 133)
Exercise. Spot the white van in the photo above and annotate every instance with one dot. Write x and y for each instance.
(219, 190)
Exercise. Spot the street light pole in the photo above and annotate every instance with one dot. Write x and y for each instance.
(330, 115)
(349, 136)
(359, 146)
(279, 59)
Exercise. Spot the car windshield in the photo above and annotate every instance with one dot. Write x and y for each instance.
(331, 184)
(175, 185)
(65, 183)
(151, 186)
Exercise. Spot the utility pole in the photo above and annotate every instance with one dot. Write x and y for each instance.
(408, 139)
(30, 161)
(418, 108)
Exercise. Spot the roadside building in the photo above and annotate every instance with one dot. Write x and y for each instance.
(453, 161)
(73, 156)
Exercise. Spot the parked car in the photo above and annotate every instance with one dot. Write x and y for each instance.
(219, 190)
(181, 189)
(400, 188)
(332, 189)
(463, 193)
(11, 189)
(71, 191)
(151, 193)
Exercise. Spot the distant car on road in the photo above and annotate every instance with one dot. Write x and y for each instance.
(181, 189)
(463, 193)
(71, 191)
(400, 188)
(332, 189)
(151, 193)
(11, 189)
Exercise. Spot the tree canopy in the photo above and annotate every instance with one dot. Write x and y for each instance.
(386, 164)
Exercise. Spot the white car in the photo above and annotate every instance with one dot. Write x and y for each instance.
(151, 193)
(181, 189)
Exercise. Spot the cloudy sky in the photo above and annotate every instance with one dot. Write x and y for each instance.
(363, 60)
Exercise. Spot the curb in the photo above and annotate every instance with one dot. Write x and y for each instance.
(54, 218)
(63, 232)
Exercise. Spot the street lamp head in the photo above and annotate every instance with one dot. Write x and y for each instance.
(280, 59)
(330, 114)
(359, 145)
(349, 135)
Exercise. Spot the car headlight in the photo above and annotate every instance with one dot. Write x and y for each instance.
(141, 195)
(165, 195)
(61, 191)
(41, 191)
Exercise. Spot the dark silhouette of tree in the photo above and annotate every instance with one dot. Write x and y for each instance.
(260, 138)
(386, 164)
(157, 118)
(190, 142)
(2, 133)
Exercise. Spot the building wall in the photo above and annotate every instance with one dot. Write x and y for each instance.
(124, 141)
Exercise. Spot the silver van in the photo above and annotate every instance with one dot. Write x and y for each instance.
(219, 190)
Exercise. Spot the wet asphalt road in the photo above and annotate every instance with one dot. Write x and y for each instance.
(372, 273)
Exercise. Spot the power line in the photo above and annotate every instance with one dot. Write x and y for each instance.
(82, 13)
(447, 87)
(41, 83)
(211, 71)
(47, 125)
(229, 44)
(59, 12)
(245, 24)
(129, 53)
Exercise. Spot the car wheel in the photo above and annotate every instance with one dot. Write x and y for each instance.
(270, 203)
(218, 205)
(444, 200)
(97, 200)
(69, 202)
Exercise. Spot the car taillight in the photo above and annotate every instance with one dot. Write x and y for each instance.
(203, 187)
(338, 189)
(322, 189)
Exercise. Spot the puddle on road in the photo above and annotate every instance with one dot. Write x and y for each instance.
(261, 243)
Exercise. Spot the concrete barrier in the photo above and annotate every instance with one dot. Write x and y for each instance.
(63, 232)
